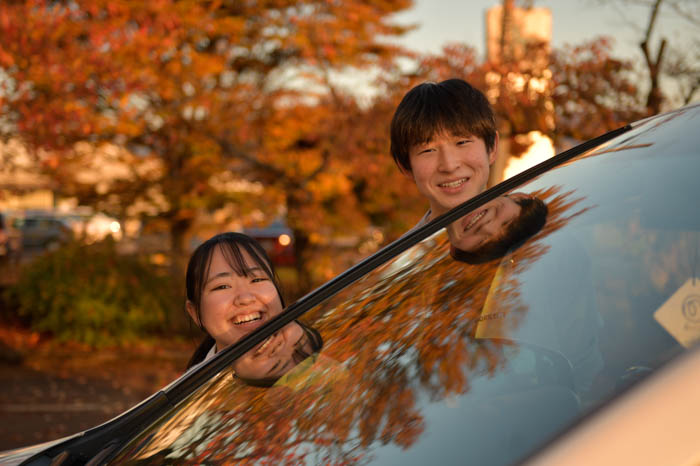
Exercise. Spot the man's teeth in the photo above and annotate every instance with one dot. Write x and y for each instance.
(476, 218)
(453, 184)
(242, 319)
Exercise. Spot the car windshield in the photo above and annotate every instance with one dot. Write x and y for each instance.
(450, 353)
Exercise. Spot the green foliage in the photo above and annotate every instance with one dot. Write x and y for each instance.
(92, 294)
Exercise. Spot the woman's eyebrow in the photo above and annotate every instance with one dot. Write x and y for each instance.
(251, 270)
(218, 275)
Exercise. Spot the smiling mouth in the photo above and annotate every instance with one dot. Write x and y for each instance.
(266, 342)
(475, 219)
(269, 345)
(246, 318)
(453, 184)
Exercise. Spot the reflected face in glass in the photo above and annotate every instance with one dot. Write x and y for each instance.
(485, 224)
(275, 355)
(234, 305)
(450, 169)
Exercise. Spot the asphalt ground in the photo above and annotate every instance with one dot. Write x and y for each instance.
(52, 390)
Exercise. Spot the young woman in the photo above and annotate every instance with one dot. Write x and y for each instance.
(232, 290)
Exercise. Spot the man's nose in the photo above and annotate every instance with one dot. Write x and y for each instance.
(447, 159)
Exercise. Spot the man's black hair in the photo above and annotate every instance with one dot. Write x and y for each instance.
(452, 106)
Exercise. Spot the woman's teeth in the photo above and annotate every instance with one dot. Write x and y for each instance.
(265, 344)
(245, 318)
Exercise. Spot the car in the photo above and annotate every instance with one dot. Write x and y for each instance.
(277, 239)
(575, 341)
(42, 231)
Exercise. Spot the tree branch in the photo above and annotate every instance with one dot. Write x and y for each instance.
(229, 150)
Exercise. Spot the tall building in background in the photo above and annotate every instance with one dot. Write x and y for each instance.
(518, 45)
(514, 33)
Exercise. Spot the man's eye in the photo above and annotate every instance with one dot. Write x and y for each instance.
(462, 142)
(425, 151)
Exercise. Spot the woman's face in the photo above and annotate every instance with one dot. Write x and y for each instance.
(275, 355)
(232, 305)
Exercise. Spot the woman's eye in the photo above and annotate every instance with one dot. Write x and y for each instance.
(223, 286)
(259, 279)
(463, 142)
(425, 151)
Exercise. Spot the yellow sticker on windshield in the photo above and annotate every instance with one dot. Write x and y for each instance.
(680, 314)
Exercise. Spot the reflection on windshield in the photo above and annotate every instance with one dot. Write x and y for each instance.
(488, 232)
(277, 354)
(432, 328)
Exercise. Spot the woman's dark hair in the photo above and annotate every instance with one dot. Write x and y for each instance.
(232, 245)
(452, 106)
(533, 216)
(315, 342)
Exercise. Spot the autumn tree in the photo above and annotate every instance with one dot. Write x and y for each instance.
(210, 98)
(592, 91)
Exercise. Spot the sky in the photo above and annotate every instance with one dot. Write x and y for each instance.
(444, 21)
(573, 22)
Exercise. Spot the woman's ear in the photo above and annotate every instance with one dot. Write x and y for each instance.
(192, 311)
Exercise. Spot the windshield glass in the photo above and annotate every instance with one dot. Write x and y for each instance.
(481, 342)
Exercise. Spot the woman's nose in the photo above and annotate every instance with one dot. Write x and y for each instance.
(243, 297)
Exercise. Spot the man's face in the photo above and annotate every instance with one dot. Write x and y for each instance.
(450, 169)
(485, 224)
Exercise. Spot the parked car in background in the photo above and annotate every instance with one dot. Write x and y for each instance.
(42, 230)
(277, 239)
(575, 341)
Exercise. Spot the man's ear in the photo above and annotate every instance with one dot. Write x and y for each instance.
(494, 151)
(192, 311)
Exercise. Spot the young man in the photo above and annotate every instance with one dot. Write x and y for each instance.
(443, 136)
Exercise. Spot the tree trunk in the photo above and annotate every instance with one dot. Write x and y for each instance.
(655, 97)
(179, 252)
(302, 242)
(301, 251)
